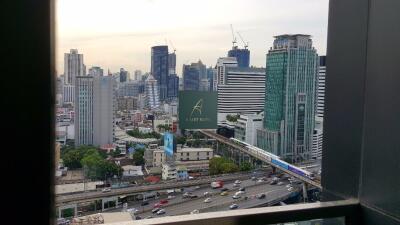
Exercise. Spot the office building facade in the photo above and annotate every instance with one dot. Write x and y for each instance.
(123, 75)
(292, 66)
(246, 127)
(222, 64)
(321, 87)
(193, 74)
(243, 92)
(96, 71)
(94, 110)
(173, 86)
(73, 66)
(160, 69)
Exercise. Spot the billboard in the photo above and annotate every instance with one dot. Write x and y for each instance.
(168, 144)
(197, 110)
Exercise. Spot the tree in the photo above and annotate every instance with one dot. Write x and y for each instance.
(138, 156)
(116, 153)
(91, 162)
(181, 140)
(246, 166)
(72, 159)
(232, 118)
(220, 165)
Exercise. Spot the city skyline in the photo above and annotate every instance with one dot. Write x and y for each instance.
(109, 37)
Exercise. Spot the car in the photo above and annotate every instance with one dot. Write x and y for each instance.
(155, 210)
(106, 190)
(260, 181)
(236, 185)
(237, 182)
(253, 178)
(164, 201)
(132, 210)
(196, 211)
(191, 178)
(260, 196)
(289, 185)
(236, 196)
(224, 189)
(138, 218)
(186, 195)
(273, 182)
(233, 206)
(280, 183)
(242, 189)
(290, 189)
(157, 205)
(224, 193)
(193, 196)
(144, 203)
(207, 200)
(171, 196)
(206, 193)
(161, 211)
(197, 187)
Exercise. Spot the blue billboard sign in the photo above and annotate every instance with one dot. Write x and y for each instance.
(168, 143)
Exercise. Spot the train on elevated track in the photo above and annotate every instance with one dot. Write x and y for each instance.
(273, 159)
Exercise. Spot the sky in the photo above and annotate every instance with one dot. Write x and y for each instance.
(116, 34)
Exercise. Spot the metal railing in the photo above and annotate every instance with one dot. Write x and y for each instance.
(348, 209)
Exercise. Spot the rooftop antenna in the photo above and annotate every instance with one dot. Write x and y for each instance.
(246, 44)
(233, 38)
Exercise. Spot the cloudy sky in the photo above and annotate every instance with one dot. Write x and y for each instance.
(117, 34)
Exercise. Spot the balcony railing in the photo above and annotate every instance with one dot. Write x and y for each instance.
(347, 211)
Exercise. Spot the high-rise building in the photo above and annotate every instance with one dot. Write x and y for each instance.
(318, 134)
(210, 76)
(94, 110)
(172, 63)
(129, 88)
(222, 64)
(173, 86)
(138, 75)
(152, 93)
(193, 74)
(242, 93)
(321, 87)
(73, 66)
(292, 66)
(68, 93)
(96, 71)
(242, 56)
(159, 68)
(123, 75)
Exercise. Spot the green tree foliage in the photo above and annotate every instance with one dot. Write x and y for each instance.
(137, 134)
(138, 156)
(72, 159)
(164, 127)
(116, 153)
(246, 166)
(220, 165)
(232, 118)
(181, 140)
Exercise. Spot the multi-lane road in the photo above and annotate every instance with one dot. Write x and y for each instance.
(179, 205)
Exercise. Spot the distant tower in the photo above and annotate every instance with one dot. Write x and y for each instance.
(242, 56)
(152, 93)
(96, 71)
(123, 75)
(160, 68)
(73, 66)
(221, 66)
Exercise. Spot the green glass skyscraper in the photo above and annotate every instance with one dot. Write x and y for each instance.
(291, 69)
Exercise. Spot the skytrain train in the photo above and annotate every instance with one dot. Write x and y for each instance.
(273, 159)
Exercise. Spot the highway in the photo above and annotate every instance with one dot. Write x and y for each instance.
(179, 206)
(130, 190)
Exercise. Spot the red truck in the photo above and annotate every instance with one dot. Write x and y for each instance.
(217, 184)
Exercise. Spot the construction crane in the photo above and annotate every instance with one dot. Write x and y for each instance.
(246, 44)
(233, 38)
(173, 47)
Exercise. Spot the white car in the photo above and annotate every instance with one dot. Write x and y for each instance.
(237, 182)
(171, 196)
(236, 185)
(260, 181)
(207, 193)
(161, 211)
(207, 200)
(197, 187)
(196, 211)
(236, 196)
(106, 190)
(289, 185)
(279, 183)
(239, 193)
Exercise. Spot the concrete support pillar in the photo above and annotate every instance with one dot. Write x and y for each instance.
(305, 196)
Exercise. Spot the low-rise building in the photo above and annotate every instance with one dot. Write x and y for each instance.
(132, 171)
(168, 171)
